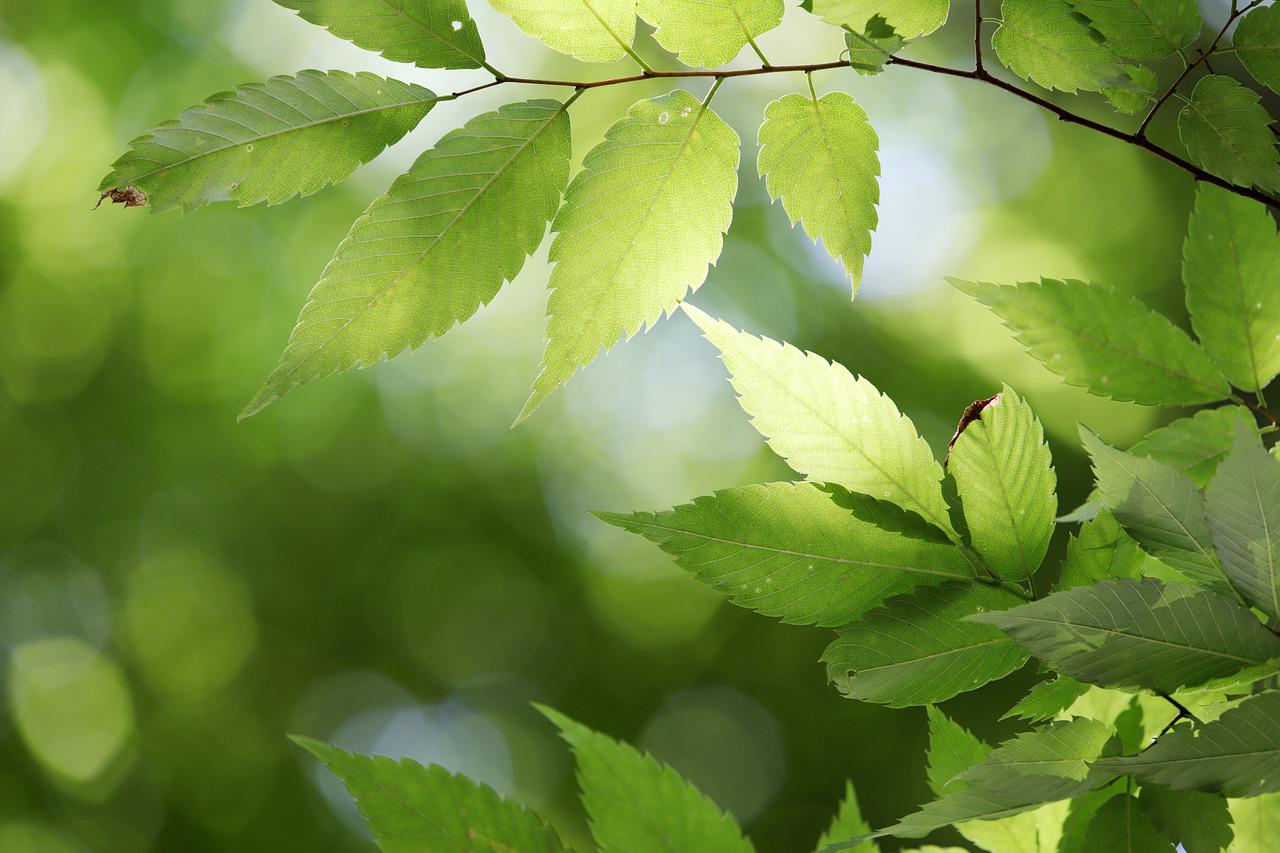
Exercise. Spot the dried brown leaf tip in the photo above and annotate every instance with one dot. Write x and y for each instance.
(972, 412)
(128, 196)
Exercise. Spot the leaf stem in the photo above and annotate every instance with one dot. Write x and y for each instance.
(712, 92)
(760, 53)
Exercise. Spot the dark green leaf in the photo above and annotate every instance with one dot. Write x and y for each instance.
(1193, 446)
(1121, 826)
(1047, 700)
(1243, 508)
(428, 33)
(1198, 821)
(1257, 44)
(1143, 29)
(1227, 131)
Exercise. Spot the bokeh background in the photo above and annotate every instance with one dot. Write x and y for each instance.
(378, 560)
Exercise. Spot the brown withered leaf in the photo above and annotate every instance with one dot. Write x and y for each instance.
(972, 412)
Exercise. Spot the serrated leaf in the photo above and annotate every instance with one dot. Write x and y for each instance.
(1257, 45)
(270, 142)
(1121, 826)
(436, 247)
(707, 33)
(1231, 267)
(589, 30)
(870, 48)
(1227, 131)
(910, 20)
(1004, 474)
(1047, 700)
(1136, 92)
(1101, 550)
(411, 808)
(916, 651)
(1195, 445)
(848, 823)
(1104, 340)
(1198, 821)
(1143, 29)
(828, 424)
(1043, 41)
(788, 550)
(640, 224)
(1238, 754)
(1139, 634)
(636, 803)
(428, 33)
(1256, 822)
(818, 156)
(1036, 831)
(1242, 505)
(952, 750)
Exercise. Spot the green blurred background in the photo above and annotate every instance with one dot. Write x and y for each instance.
(378, 560)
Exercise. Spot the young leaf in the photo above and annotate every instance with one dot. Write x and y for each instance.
(1198, 821)
(910, 20)
(1257, 44)
(1194, 446)
(1238, 754)
(848, 823)
(916, 651)
(1121, 826)
(1227, 131)
(269, 142)
(411, 808)
(1101, 551)
(639, 226)
(788, 550)
(1004, 474)
(1047, 700)
(428, 33)
(1143, 29)
(818, 156)
(952, 750)
(589, 30)
(436, 247)
(827, 423)
(1139, 634)
(1043, 41)
(707, 33)
(636, 803)
(1256, 822)
(1231, 266)
(1104, 340)
(1243, 508)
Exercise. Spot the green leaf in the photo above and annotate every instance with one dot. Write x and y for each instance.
(818, 156)
(1227, 131)
(636, 803)
(1136, 93)
(1257, 44)
(1198, 821)
(1104, 340)
(707, 33)
(1004, 474)
(872, 47)
(428, 33)
(1194, 446)
(412, 808)
(639, 226)
(788, 550)
(1101, 551)
(827, 423)
(436, 247)
(1143, 29)
(1243, 508)
(1047, 700)
(1043, 41)
(270, 142)
(848, 823)
(909, 19)
(1238, 754)
(1231, 266)
(589, 30)
(1256, 821)
(1138, 634)
(916, 651)
(952, 750)
(1121, 826)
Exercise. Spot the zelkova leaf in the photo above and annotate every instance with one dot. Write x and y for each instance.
(916, 651)
(1004, 475)
(640, 224)
(636, 803)
(789, 550)
(1257, 44)
(412, 808)
(1100, 551)
(1231, 267)
(953, 749)
(1043, 41)
(1104, 340)
(827, 423)
(1255, 822)
(709, 32)
(818, 156)
(589, 30)
(1237, 754)
(1143, 29)
(436, 247)
(1047, 699)
(1139, 634)
(1227, 131)
(1243, 508)
(270, 142)
(848, 823)
(909, 19)
(1200, 822)
(1195, 445)
(871, 48)
(1121, 826)
(428, 33)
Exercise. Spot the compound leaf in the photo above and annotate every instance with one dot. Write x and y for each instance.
(1243, 508)
(428, 33)
(1045, 42)
(1143, 29)
(1227, 131)
(1257, 44)
(708, 33)
(589, 30)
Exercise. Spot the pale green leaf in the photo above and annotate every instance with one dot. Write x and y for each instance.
(1139, 634)
(1193, 446)
(827, 423)
(1231, 266)
(1256, 822)
(436, 247)
(952, 750)
(707, 33)
(1143, 29)
(1047, 700)
(1104, 340)
(916, 651)
(636, 803)
(1100, 551)
(789, 550)
(412, 808)
(640, 224)
(1043, 41)
(910, 19)
(848, 823)
(818, 156)
(1198, 821)
(589, 30)
(1257, 44)
(872, 47)
(1227, 131)
(270, 142)
(1035, 831)
(1243, 508)
(428, 33)
(1121, 826)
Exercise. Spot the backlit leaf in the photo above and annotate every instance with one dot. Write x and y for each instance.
(709, 32)
(1143, 29)
(909, 19)
(428, 33)
(1243, 508)
(848, 823)
(1043, 41)
(589, 30)
(1193, 446)
(1227, 131)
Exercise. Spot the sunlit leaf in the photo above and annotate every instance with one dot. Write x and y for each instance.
(1101, 550)
(1193, 446)
(1227, 131)
(1257, 44)
(953, 749)
(872, 47)
(1242, 505)
(589, 30)
(1047, 700)
(1255, 821)
(709, 32)
(1143, 29)
(909, 19)
(428, 33)
(1043, 41)
(848, 823)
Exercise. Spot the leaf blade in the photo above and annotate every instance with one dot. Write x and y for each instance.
(588, 30)
(1242, 506)
(1227, 131)
(428, 33)
(709, 32)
